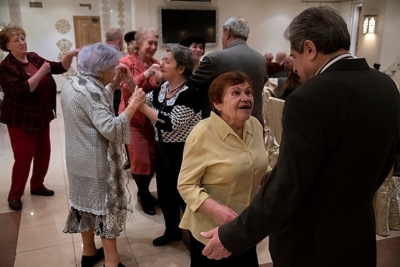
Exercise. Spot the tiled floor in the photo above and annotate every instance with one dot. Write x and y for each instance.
(34, 237)
(35, 233)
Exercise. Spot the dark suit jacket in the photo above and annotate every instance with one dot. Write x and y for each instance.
(339, 129)
(238, 56)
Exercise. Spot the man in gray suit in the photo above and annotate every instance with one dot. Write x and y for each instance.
(339, 133)
(236, 55)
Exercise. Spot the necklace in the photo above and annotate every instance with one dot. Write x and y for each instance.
(176, 88)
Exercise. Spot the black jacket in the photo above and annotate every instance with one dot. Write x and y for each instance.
(337, 148)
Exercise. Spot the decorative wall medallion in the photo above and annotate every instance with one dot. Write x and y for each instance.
(15, 12)
(61, 55)
(121, 15)
(64, 45)
(105, 15)
(63, 26)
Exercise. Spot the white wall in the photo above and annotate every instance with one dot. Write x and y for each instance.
(4, 17)
(39, 24)
(369, 45)
(127, 16)
(390, 47)
(4, 12)
(267, 19)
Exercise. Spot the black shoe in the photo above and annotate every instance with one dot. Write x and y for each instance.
(89, 261)
(15, 204)
(127, 165)
(43, 192)
(154, 201)
(119, 265)
(147, 204)
(166, 239)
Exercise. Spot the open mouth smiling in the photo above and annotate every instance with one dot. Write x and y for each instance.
(244, 107)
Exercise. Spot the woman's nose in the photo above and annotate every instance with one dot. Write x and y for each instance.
(244, 97)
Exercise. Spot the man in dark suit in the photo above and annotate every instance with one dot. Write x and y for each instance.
(236, 55)
(339, 131)
(114, 37)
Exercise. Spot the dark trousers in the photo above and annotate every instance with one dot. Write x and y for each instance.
(117, 100)
(143, 181)
(171, 203)
(248, 259)
(27, 146)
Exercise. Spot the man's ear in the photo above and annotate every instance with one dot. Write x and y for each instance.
(227, 33)
(310, 50)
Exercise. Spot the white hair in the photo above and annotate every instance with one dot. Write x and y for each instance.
(98, 57)
(238, 26)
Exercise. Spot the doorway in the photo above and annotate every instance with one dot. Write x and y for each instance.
(87, 30)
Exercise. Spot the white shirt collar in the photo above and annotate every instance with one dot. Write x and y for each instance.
(333, 60)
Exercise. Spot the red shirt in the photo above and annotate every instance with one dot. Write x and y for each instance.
(22, 108)
(42, 91)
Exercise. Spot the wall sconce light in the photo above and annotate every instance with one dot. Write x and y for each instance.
(369, 24)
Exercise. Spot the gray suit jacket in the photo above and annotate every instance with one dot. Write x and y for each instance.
(339, 131)
(238, 56)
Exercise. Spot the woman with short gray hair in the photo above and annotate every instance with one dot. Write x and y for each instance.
(174, 111)
(93, 148)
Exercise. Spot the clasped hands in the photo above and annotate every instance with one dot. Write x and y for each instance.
(153, 70)
(138, 97)
(222, 215)
(122, 74)
(214, 250)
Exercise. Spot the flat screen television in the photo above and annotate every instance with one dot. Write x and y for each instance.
(176, 23)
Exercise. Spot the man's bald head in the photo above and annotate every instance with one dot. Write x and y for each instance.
(269, 57)
(288, 63)
(280, 57)
(114, 37)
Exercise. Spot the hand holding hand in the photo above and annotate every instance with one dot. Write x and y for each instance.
(152, 70)
(74, 52)
(137, 99)
(125, 75)
(214, 249)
